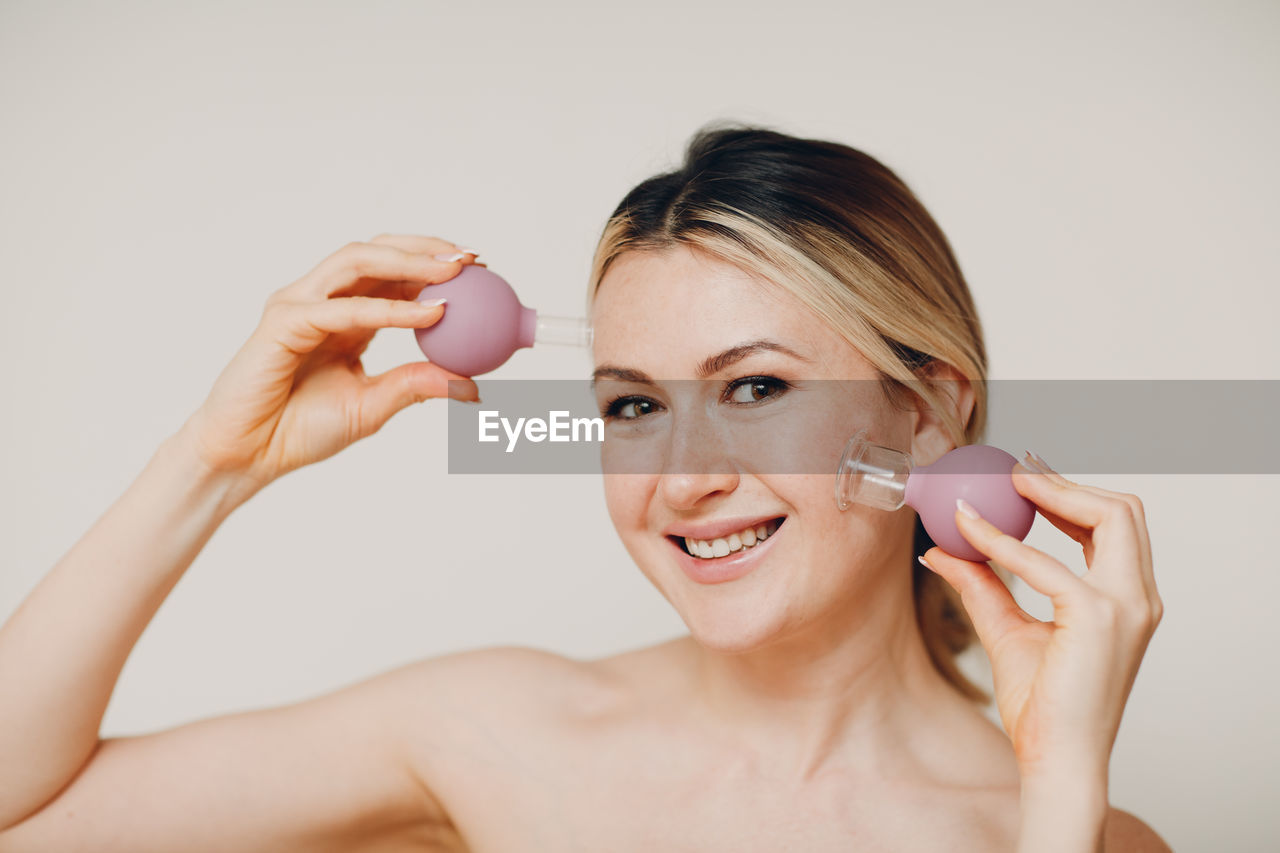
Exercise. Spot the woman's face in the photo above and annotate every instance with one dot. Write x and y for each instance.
(710, 456)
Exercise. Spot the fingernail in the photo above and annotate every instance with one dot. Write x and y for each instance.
(1029, 461)
(925, 562)
(432, 303)
(1044, 466)
(964, 507)
(448, 257)
(462, 393)
(469, 251)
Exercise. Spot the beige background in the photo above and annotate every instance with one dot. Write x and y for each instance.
(1105, 171)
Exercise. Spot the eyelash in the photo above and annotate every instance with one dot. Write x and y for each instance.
(780, 386)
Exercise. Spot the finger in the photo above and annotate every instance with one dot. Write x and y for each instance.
(401, 387)
(423, 246)
(1115, 529)
(302, 327)
(1135, 503)
(360, 266)
(1040, 571)
(989, 603)
(1146, 568)
(409, 290)
(1140, 524)
(1021, 476)
(418, 244)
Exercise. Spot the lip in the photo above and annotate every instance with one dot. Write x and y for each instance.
(727, 568)
(719, 528)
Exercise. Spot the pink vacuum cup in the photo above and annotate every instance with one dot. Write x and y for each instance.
(980, 474)
(483, 323)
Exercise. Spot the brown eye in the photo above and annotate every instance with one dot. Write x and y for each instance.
(754, 389)
(629, 408)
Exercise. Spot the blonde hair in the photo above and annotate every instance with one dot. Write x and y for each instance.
(844, 235)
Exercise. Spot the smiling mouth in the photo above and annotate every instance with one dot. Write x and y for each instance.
(742, 540)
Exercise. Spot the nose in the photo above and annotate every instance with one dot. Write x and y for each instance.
(697, 465)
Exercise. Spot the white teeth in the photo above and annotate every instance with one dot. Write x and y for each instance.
(751, 536)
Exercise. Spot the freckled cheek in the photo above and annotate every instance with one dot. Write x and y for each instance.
(803, 439)
(834, 536)
(627, 499)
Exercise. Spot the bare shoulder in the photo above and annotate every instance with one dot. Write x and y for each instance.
(498, 700)
(497, 673)
(1126, 833)
(541, 680)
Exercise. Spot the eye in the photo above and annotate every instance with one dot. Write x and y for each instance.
(628, 408)
(756, 389)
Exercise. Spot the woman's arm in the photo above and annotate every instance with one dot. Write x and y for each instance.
(294, 394)
(336, 773)
(62, 651)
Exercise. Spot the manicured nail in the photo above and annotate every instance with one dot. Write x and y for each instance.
(460, 392)
(469, 251)
(449, 257)
(964, 507)
(432, 303)
(1029, 461)
(925, 562)
(1044, 466)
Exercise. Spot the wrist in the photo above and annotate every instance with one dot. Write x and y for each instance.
(226, 489)
(1081, 796)
(1079, 771)
(1064, 807)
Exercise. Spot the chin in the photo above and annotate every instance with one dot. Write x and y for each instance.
(736, 604)
(735, 622)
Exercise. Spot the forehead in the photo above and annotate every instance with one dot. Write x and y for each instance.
(668, 309)
(663, 312)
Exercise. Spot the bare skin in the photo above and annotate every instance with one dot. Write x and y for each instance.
(801, 712)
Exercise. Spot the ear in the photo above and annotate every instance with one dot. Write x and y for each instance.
(930, 439)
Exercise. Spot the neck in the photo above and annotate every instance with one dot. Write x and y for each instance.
(856, 686)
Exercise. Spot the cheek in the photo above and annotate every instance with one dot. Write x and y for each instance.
(625, 496)
(856, 538)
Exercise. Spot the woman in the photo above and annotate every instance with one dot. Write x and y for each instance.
(814, 705)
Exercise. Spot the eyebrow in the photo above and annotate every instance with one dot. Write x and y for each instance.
(709, 366)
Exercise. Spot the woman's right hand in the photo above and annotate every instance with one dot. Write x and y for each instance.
(296, 392)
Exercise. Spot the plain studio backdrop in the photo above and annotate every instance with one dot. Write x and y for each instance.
(1104, 171)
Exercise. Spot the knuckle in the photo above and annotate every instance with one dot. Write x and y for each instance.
(355, 257)
(1134, 502)
(411, 390)
(1119, 509)
(273, 310)
(1157, 610)
(350, 258)
(1143, 617)
(274, 299)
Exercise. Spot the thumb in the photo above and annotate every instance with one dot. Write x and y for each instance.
(401, 387)
(989, 603)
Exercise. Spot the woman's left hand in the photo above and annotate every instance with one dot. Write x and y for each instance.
(1061, 686)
